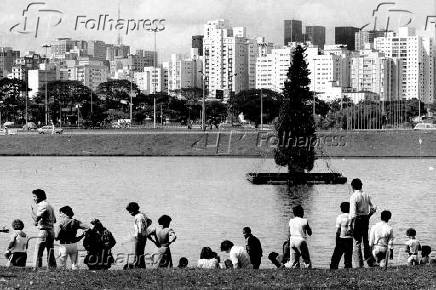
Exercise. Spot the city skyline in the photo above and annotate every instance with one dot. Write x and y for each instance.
(183, 20)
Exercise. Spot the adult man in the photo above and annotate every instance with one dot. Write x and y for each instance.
(140, 233)
(253, 247)
(361, 209)
(44, 217)
(381, 239)
(238, 255)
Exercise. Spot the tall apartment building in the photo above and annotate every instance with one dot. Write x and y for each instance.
(256, 48)
(316, 35)
(97, 49)
(121, 67)
(346, 35)
(62, 46)
(24, 64)
(7, 60)
(293, 31)
(197, 42)
(38, 78)
(225, 59)
(416, 53)
(113, 51)
(272, 69)
(185, 72)
(371, 71)
(152, 80)
(363, 38)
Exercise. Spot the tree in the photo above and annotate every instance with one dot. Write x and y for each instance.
(248, 102)
(12, 98)
(295, 121)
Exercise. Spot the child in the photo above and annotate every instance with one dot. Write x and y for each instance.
(16, 252)
(66, 234)
(425, 255)
(344, 238)
(381, 238)
(412, 247)
(183, 263)
(163, 237)
(299, 229)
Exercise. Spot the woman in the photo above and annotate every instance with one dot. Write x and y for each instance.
(98, 242)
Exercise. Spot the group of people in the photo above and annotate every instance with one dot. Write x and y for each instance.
(352, 236)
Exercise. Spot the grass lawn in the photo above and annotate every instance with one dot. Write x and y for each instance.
(418, 277)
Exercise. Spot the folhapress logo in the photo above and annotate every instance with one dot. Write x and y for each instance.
(33, 15)
(36, 14)
(107, 23)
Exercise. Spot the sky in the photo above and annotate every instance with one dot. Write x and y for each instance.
(186, 18)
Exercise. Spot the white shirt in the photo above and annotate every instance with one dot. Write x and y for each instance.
(343, 222)
(140, 225)
(382, 235)
(239, 257)
(208, 264)
(20, 239)
(297, 227)
(360, 204)
(413, 246)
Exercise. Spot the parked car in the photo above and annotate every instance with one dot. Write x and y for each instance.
(30, 126)
(425, 126)
(49, 130)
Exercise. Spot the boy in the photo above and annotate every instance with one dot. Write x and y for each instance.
(66, 234)
(253, 247)
(299, 229)
(344, 238)
(163, 238)
(425, 255)
(412, 247)
(17, 247)
(142, 222)
(381, 238)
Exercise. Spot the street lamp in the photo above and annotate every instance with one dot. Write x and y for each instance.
(261, 109)
(46, 101)
(203, 105)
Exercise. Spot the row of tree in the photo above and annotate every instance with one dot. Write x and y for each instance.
(68, 101)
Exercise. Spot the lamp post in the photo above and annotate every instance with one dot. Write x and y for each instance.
(261, 109)
(131, 105)
(203, 105)
(46, 100)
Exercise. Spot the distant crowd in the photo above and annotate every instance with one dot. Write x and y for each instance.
(352, 236)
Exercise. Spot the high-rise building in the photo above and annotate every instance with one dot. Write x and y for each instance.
(363, 38)
(346, 35)
(113, 51)
(225, 59)
(417, 79)
(97, 49)
(293, 31)
(152, 80)
(316, 35)
(272, 69)
(184, 72)
(371, 71)
(38, 78)
(256, 48)
(8, 56)
(197, 42)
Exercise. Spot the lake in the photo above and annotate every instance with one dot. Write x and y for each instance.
(210, 200)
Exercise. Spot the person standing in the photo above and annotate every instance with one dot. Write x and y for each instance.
(44, 217)
(17, 248)
(98, 243)
(253, 247)
(164, 236)
(299, 229)
(66, 234)
(381, 239)
(142, 222)
(344, 238)
(361, 209)
(238, 255)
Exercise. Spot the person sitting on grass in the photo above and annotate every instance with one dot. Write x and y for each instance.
(17, 248)
(183, 263)
(163, 237)
(207, 259)
(280, 260)
(228, 264)
(344, 239)
(381, 238)
(299, 229)
(425, 255)
(238, 255)
(413, 246)
(98, 243)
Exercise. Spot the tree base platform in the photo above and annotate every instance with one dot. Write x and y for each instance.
(296, 178)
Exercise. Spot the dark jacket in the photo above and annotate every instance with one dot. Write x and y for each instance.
(254, 249)
(99, 245)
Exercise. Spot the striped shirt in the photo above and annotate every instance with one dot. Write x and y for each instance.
(239, 257)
